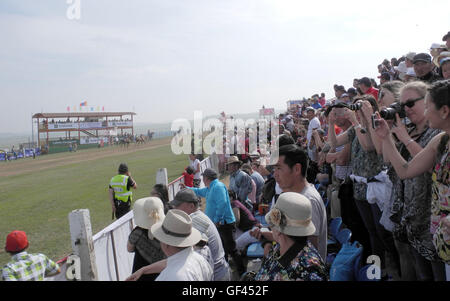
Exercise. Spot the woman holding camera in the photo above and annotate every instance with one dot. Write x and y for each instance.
(366, 164)
(433, 156)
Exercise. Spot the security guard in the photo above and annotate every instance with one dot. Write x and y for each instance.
(120, 193)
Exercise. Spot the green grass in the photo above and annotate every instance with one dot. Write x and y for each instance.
(39, 203)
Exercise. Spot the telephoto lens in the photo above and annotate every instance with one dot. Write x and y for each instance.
(389, 112)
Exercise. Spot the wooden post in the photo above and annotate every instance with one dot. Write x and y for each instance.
(161, 176)
(82, 243)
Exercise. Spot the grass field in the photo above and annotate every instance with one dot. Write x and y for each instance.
(38, 202)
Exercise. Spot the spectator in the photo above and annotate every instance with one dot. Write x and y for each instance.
(24, 266)
(410, 75)
(384, 77)
(195, 164)
(218, 209)
(257, 178)
(188, 176)
(423, 67)
(240, 182)
(443, 62)
(290, 174)
(187, 201)
(146, 249)
(322, 100)
(314, 123)
(339, 90)
(436, 49)
(160, 191)
(245, 221)
(120, 193)
(316, 105)
(366, 87)
(446, 39)
(434, 155)
(293, 257)
(365, 164)
(177, 237)
(352, 93)
(409, 59)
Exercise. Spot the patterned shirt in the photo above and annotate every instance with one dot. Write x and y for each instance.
(149, 249)
(300, 263)
(28, 267)
(364, 164)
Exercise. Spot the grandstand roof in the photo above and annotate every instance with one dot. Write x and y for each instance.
(81, 114)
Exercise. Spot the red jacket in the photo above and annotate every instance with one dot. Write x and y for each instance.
(374, 92)
(188, 179)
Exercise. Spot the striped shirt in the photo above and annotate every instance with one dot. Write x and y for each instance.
(28, 267)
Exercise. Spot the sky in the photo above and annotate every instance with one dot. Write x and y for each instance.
(163, 59)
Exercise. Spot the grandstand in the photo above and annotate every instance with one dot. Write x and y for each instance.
(85, 129)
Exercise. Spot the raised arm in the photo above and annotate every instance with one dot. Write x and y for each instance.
(421, 163)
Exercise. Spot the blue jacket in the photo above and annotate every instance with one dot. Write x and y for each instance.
(218, 206)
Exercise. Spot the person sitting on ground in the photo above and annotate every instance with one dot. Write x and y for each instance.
(293, 257)
(146, 249)
(24, 266)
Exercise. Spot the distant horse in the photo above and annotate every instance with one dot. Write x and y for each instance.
(124, 141)
(141, 139)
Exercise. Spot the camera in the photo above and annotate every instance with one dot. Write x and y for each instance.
(355, 107)
(389, 112)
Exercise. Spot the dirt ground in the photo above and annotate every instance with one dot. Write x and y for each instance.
(43, 162)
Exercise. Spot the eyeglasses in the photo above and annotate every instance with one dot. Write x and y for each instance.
(410, 102)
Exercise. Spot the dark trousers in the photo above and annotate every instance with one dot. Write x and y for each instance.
(428, 270)
(381, 240)
(229, 245)
(122, 208)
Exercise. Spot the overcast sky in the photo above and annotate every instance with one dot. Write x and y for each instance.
(166, 58)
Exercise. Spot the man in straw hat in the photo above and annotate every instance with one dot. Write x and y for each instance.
(177, 238)
(293, 257)
(240, 182)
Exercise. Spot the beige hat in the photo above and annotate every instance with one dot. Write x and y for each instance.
(233, 159)
(176, 230)
(291, 215)
(441, 56)
(148, 211)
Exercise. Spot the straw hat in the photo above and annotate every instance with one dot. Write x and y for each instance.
(233, 159)
(440, 57)
(291, 215)
(176, 230)
(148, 211)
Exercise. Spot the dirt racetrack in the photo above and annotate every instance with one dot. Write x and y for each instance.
(43, 162)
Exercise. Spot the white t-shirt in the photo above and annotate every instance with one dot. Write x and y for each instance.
(195, 164)
(313, 124)
(186, 265)
(319, 217)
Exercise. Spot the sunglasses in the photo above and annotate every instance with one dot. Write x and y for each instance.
(410, 102)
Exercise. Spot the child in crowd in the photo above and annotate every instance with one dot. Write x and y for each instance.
(188, 175)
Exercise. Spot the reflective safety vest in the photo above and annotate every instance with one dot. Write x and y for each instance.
(119, 185)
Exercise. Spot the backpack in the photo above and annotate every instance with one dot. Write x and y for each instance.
(344, 265)
(268, 191)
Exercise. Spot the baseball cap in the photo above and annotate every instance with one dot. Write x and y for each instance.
(422, 57)
(184, 196)
(16, 241)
